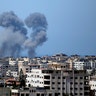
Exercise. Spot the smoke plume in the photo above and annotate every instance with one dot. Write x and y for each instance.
(12, 36)
(14, 39)
(37, 22)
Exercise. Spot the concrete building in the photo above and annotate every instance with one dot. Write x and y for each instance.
(59, 57)
(5, 92)
(59, 79)
(4, 63)
(35, 91)
(8, 65)
(23, 64)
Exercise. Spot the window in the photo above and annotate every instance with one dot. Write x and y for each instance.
(26, 68)
(53, 88)
(61, 66)
(86, 77)
(63, 77)
(58, 77)
(71, 82)
(38, 94)
(56, 94)
(50, 71)
(50, 94)
(63, 88)
(47, 87)
(71, 94)
(86, 88)
(42, 94)
(81, 83)
(76, 82)
(63, 82)
(31, 75)
(37, 75)
(46, 77)
(46, 82)
(71, 77)
(75, 93)
(53, 77)
(76, 71)
(80, 93)
(22, 94)
(86, 93)
(75, 77)
(81, 77)
(71, 88)
(56, 71)
(27, 94)
(53, 82)
(86, 83)
(29, 85)
(81, 88)
(75, 88)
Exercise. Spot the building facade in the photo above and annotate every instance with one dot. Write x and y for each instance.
(58, 78)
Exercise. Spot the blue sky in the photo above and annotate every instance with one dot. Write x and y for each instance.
(71, 24)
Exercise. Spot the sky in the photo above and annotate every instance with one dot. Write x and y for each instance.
(71, 24)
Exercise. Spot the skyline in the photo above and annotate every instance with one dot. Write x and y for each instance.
(71, 24)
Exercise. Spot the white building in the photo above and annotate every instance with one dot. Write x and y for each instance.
(92, 84)
(92, 64)
(79, 65)
(36, 78)
(12, 73)
(82, 64)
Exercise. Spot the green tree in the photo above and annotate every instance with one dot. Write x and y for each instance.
(22, 79)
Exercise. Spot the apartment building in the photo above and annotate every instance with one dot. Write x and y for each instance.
(92, 64)
(8, 65)
(5, 91)
(57, 78)
(82, 64)
(59, 57)
(4, 63)
(23, 64)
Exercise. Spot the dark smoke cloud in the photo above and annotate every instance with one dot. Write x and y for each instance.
(14, 39)
(12, 36)
(38, 23)
(10, 20)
